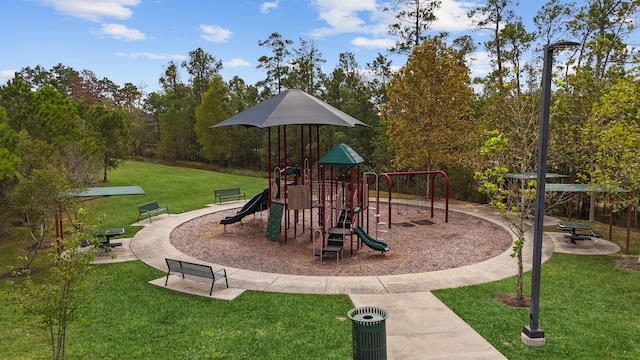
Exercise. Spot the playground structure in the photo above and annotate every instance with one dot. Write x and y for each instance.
(339, 201)
(334, 190)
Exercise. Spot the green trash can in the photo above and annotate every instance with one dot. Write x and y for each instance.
(369, 333)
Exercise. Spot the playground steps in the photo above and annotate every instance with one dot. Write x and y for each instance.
(336, 240)
(344, 220)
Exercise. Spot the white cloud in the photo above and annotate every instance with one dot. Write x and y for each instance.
(151, 56)
(215, 33)
(118, 31)
(367, 17)
(480, 64)
(7, 74)
(452, 16)
(380, 43)
(93, 10)
(267, 6)
(236, 62)
(346, 17)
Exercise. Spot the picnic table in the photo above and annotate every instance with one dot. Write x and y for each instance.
(108, 234)
(575, 228)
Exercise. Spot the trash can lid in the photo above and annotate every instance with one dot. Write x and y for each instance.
(367, 314)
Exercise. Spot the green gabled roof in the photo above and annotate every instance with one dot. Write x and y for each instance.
(341, 155)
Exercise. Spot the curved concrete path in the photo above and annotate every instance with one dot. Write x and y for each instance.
(152, 245)
(419, 325)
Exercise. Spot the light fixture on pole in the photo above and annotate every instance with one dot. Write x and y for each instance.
(531, 334)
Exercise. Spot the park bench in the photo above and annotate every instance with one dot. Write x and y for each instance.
(151, 209)
(189, 268)
(232, 193)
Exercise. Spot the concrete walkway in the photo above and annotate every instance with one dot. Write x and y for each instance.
(419, 325)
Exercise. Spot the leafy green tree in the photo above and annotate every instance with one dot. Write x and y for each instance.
(414, 19)
(63, 290)
(347, 90)
(246, 95)
(512, 149)
(39, 195)
(306, 68)
(176, 118)
(17, 98)
(276, 65)
(55, 118)
(202, 68)
(428, 112)
(615, 124)
(217, 105)
(59, 76)
(551, 21)
(517, 41)
(9, 165)
(492, 16)
(601, 26)
(9, 160)
(110, 127)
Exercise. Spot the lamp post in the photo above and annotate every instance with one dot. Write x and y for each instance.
(532, 335)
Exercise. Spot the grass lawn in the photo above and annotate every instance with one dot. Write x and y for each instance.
(181, 189)
(127, 318)
(588, 309)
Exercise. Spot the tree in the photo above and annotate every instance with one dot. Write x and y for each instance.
(176, 118)
(601, 27)
(275, 65)
(615, 128)
(346, 89)
(246, 95)
(551, 21)
(517, 41)
(414, 19)
(18, 101)
(512, 149)
(60, 77)
(110, 128)
(9, 160)
(306, 68)
(55, 118)
(217, 105)
(427, 115)
(380, 68)
(56, 299)
(492, 16)
(39, 193)
(202, 68)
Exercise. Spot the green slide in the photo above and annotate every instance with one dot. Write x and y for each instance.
(369, 241)
(258, 203)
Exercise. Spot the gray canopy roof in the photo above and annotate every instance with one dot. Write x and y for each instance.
(291, 107)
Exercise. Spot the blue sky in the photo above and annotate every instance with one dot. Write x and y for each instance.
(133, 40)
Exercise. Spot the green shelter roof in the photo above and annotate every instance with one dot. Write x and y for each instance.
(109, 191)
(533, 175)
(341, 155)
(582, 188)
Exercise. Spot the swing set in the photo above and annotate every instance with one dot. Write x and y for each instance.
(404, 210)
(431, 174)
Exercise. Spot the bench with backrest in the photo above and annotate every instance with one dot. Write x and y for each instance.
(189, 268)
(224, 194)
(151, 209)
